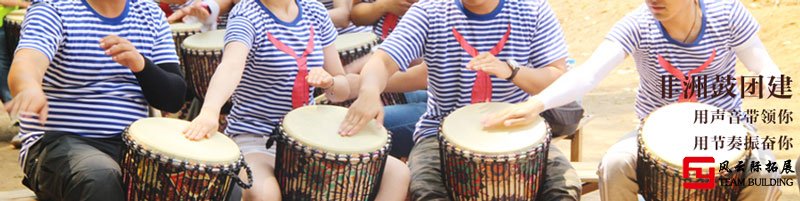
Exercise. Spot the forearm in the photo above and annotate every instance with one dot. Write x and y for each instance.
(376, 72)
(163, 85)
(534, 80)
(176, 16)
(27, 70)
(364, 14)
(340, 91)
(756, 59)
(415, 78)
(577, 82)
(340, 17)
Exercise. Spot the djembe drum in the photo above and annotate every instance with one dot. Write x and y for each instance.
(667, 136)
(161, 164)
(13, 26)
(316, 163)
(202, 54)
(495, 164)
(352, 46)
(181, 31)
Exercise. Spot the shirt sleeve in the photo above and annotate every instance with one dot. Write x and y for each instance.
(327, 31)
(41, 30)
(548, 39)
(626, 32)
(164, 47)
(743, 25)
(407, 40)
(240, 28)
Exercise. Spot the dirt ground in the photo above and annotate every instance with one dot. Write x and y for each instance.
(611, 104)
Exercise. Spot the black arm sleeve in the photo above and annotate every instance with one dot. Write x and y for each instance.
(163, 85)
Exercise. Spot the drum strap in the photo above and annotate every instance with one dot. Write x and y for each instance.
(300, 93)
(482, 89)
(686, 81)
(389, 22)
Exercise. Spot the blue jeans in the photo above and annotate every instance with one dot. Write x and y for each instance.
(401, 120)
(5, 67)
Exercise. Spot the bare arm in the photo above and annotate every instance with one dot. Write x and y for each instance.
(415, 78)
(364, 13)
(340, 14)
(25, 83)
(340, 91)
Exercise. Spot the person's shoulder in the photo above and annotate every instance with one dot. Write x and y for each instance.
(245, 7)
(147, 7)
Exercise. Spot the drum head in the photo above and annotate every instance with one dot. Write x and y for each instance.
(317, 127)
(183, 27)
(15, 18)
(165, 136)
(351, 41)
(463, 129)
(669, 132)
(212, 40)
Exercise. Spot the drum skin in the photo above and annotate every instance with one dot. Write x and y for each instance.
(667, 136)
(492, 164)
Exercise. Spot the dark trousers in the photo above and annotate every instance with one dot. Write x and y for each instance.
(64, 166)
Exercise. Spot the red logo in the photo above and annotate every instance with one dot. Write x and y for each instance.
(698, 172)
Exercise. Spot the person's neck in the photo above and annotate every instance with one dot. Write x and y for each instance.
(480, 7)
(108, 8)
(690, 20)
(283, 6)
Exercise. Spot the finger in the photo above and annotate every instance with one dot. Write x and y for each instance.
(12, 108)
(118, 49)
(516, 122)
(109, 41)
(43, 114)
(496, 119)
(195, 132)
(9, 105)
(124, 56)
(24, 107)
(345, 123)
(361, 123)
(348, 130)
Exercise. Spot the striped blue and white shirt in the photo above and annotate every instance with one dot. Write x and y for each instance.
(88, 93)
(725, 24)
(349, 29)
(536, 40)
(264, 94)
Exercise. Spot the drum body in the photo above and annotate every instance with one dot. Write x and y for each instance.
(160, 164)
(13, 26)
(352, 46)
(202, 54)
(316, 163)
(668, 135)
(181, 31)
(493, 164)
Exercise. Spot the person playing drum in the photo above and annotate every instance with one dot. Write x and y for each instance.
(83, 72)
(276, 53)
(701, 36)
(456, 36)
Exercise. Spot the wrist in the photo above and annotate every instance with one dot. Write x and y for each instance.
(513, 68)
(369, 91)
(139, 65)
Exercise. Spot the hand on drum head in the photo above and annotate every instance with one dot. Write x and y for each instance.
(366, 108)
(490, 64)
(518, 114)
(318, 77)
(28, 102)
(123, 52)
(202, 127)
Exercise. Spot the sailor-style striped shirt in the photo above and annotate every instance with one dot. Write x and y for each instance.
(88, 93)
(535, 40)
(725, 24)
(264, 94)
